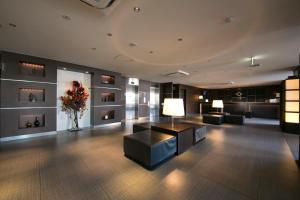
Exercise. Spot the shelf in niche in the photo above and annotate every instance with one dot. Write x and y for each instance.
(32, 69)
(31, 119)
(107, 97)
(31, 95)
(108, 79)
(108, 115)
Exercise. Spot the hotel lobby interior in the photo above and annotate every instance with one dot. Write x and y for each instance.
(149, 99)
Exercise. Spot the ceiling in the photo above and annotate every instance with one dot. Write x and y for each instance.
(218, 37)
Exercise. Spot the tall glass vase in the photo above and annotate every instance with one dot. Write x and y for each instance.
(74, 117)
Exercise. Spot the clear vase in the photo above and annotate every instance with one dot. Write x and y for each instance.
(74, 117)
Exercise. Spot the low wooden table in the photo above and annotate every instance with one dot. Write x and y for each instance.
(183, 132)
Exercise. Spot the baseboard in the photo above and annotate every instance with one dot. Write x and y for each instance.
(21, 137)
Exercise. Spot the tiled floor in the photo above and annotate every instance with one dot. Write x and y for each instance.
(234, 162)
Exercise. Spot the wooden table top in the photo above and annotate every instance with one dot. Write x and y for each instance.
(178, 127)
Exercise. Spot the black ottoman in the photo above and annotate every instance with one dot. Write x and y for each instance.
(213, 119)
(149, 148)
(141, 127)
(199, 133)
(199, 130)
(234, 119)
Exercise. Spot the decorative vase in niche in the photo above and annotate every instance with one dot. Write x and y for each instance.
(32, 98)
(28, 124)
(36, 122)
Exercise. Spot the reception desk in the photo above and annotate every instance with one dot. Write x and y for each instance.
(260, 110)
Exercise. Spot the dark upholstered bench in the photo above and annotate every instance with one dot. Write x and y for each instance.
(149, 148)
(213, 119)
(234, 119)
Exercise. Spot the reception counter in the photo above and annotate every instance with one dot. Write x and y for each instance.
(260, 110)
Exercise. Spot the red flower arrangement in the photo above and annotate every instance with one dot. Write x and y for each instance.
(75, 101)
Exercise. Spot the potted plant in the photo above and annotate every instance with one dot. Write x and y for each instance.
(74, 102)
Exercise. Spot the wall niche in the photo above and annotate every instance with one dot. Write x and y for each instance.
(31, 95)
(108, 79)
(31, 121)
(108, 115)
(107, 97)
(32, 69)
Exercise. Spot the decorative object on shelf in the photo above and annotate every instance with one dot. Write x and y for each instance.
(73, 102)
(32, 98)
(36, 122)
(108, 115)
(107, 97)
(28, 124)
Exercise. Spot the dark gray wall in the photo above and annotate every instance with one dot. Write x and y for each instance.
(192, 97)
(15, 111)
(170, 90)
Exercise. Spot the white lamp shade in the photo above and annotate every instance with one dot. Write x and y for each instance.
(173, 107)
(217, 104)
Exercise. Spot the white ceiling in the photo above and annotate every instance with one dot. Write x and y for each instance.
(212, 51)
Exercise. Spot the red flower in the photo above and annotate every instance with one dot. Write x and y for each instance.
(75, 99)
(70, 93)
(76, 84)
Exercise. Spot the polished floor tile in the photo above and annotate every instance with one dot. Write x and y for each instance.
(254, 161)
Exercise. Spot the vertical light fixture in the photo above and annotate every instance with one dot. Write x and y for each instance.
(291, 105)
(200, 106)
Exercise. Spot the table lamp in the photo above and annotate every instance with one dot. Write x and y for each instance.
(218, 104)
(173, 108)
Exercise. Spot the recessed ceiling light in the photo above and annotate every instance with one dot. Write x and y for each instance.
(66, 17)
(64, 68)
(109, 34)
(86, 72)
(136, 9)
(228, 19)
(12, 25)
(179, 39)
(94, 48)
(132, 44)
